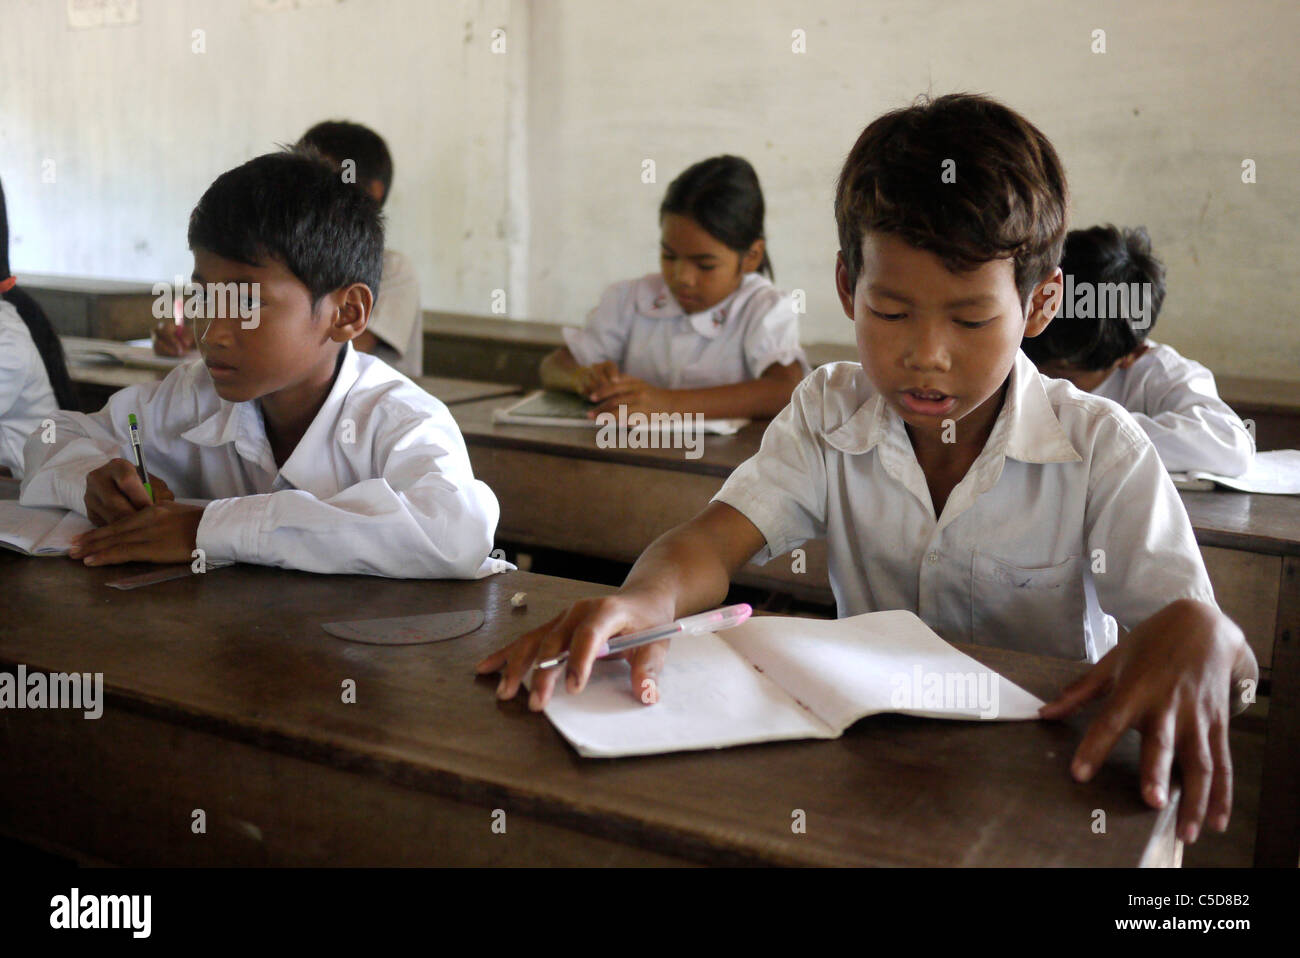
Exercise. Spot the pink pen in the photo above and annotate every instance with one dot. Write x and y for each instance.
(727, 617)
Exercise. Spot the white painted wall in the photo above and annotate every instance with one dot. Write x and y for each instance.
(522, 171)
(1152, 132)
(138, 126)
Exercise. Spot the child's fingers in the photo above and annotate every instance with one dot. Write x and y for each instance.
(137, 548)
(1197, 768)
(1220, 809)
(498, 659)
(647, 663)
(1112, 722)
(129, 485)
(590, 639)
(1157, 758)
(1079, 693)
(107, 502)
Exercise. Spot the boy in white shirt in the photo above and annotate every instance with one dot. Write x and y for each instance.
(1113, 290)
(395, 332)
(949, 477)
(708, 333)
(26, 398)
(317, 457)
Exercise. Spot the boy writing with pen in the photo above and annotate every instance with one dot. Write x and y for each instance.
(313, 456)
(948, 477)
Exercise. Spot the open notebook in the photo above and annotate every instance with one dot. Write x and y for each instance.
(546, 407)
(1276, 472)
(39, 532)
(777, 678)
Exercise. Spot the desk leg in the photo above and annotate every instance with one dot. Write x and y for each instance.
(1277, 842)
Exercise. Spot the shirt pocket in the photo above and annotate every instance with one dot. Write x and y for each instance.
(1028, 609)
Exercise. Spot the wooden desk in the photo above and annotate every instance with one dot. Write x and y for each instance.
(1262, 534)
(85, 306)
(223, 694)
(612, 503)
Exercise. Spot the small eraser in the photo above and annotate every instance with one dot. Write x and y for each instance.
(519, 599)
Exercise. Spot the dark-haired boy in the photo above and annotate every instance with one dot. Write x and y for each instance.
(395, 333)
(316, 457)
(949, 477)
(1113, 290)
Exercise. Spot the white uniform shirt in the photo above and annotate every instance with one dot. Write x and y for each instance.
(1174, 399)
(25, 394)
(1063, 474)
(639, 325)
(396, 318)
(379, 484)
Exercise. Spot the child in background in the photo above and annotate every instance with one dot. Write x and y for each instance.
(317, 457)
(33, 375)
(950, 478)
(1173, 399)
(707, 334)
(395, 333)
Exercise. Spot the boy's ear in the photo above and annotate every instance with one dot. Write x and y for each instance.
(1044, 303)
(842, 286)
(376, 190)
(352, 305)
(753, 258)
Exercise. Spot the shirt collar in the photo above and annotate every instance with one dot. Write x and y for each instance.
(653, 298)
(1027, 428)
(241, 423)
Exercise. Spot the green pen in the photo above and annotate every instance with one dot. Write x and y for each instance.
(139, 454)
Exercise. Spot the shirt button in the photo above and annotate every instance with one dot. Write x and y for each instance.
(932, 558)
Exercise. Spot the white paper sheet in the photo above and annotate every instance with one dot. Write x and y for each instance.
(847, 669)
(1276, 472)
(710, 697)
(40, 532)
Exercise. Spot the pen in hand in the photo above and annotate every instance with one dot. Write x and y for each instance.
(726, 617)
(138, 451)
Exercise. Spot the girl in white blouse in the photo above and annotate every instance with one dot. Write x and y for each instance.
(708, 333)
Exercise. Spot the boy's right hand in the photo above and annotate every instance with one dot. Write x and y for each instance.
(114, 491)
(584, 630)
(172, 339)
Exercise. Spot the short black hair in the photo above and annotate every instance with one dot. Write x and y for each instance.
(292, 207)
(1006, 196)
(1100, 255)
(722, 194)
(340, 140)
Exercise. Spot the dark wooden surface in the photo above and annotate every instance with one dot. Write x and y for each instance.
(1279, 821)
(236, 661)
(1269, 525)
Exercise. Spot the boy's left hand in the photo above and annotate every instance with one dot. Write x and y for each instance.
(1172, 679)
(164, 532)
(636, 394)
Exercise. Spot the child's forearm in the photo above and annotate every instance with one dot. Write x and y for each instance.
(690, 567)
(559, 370)
(760, 398)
